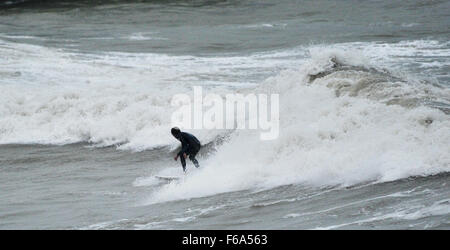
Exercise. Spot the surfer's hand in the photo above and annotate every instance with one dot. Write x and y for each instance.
(175, 158)
(185, 156)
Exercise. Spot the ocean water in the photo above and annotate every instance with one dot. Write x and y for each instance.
(85, 111)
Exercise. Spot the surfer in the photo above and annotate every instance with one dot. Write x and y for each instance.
(190, 145)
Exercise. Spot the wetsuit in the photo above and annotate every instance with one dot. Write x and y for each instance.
(190, 145)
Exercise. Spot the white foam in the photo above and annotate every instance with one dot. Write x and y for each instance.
(293, 215)
(264, 25)
(184, 219)
(144, 36)
(54, 96)
(145, 181)
(325, 140)
(409, 213)
(409, 25)
(123, 99)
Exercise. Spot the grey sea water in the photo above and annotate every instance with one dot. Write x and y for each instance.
(85, 91)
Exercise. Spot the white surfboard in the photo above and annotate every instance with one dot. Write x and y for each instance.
(168, 178)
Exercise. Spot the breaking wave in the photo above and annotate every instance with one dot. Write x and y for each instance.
(349, 113)
(343, 121)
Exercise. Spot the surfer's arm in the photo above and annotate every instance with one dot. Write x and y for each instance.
(184, 148)
(182, 153)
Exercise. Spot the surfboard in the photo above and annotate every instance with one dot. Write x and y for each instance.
(167, 178)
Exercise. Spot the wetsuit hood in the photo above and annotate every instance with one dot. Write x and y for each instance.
(175, 132)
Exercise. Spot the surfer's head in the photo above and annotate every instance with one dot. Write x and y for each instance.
(175, 132)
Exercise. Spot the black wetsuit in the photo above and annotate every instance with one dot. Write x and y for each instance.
(190, 145)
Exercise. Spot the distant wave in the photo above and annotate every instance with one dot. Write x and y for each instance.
(86, 3)
(51, 96)
(16, 3)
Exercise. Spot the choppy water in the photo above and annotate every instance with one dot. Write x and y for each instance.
(85, 91)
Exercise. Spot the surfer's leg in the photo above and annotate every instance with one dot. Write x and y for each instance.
(192, 158)
(183, 162)
(194, 161)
